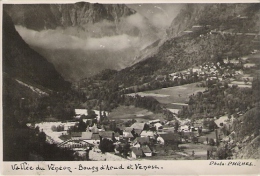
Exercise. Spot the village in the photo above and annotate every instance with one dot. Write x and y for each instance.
(233, 70)
(154, 139)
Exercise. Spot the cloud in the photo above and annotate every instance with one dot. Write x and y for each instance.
(80, 51)
(137, 20)
(57, 39)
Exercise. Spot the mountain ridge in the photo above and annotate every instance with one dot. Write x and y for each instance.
(51, 16)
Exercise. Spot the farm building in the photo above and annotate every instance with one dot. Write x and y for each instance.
(74, 144)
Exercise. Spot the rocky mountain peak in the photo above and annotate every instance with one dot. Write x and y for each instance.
(50, 16)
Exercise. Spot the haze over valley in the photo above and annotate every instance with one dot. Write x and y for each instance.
(82, 39)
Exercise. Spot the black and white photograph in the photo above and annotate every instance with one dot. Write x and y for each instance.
(85, 81)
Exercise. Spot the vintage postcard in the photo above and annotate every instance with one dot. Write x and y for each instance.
(130, 88)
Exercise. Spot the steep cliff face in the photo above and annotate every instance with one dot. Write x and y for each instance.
(49, 16)
(243, 17)
(23, 63)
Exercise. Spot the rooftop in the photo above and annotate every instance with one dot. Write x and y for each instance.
(142, 140)
(81, 111)
(95, 137)
(139, 126)
(108, 134)
(76, 134)
(127, 134)
(169, 136)
(129, 129)
(86, 135)
(147, 133)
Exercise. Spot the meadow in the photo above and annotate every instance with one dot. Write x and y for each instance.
(130, 112)
(177, 95)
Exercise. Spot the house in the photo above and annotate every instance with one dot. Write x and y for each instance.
(139, 141)
(149, 134)
(109, 135)
(151, 122)
(78, 140)
(239, 72)
(174, 77)
(139, 126)
(197, 26)
(146, 150)
(74, 144)
(226, 61)
(196, 70)
(184, 128)
(75, 135)
(85, 136)
(249, 65)
(173, 74)
(160, 78)
(128, 135)
(158, 126)
(187, 31)
(137, 131)
(244, 58)
(169, 138)
(80, 112)
(94, 129)
(94, 140)
(249, 78)
(136, 152)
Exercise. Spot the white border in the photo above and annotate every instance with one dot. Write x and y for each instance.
(170, 167)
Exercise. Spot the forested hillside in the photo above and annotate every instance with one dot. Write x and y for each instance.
(235, 17)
